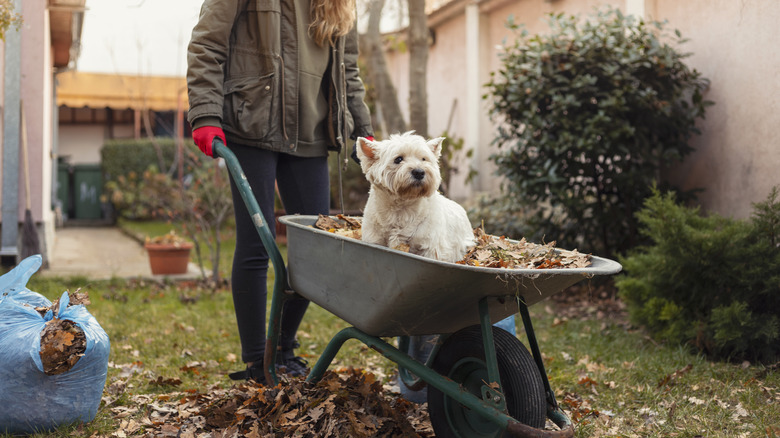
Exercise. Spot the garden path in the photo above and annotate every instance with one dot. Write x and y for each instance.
(100, 253)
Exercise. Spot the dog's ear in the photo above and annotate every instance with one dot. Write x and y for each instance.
(365, 149)
(435, 145)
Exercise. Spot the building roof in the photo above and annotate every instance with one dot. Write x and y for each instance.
(98, 90)
(66, 20)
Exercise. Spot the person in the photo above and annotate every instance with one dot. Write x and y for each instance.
(278, 82)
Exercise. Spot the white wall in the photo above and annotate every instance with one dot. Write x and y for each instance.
(81, 144)
(734, 44)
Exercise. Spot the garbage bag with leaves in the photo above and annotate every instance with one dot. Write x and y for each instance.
(53, 357)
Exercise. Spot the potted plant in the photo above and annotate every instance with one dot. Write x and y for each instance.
(168, 254)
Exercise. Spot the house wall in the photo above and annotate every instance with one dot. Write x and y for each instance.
(81, 143)
(35, 92)
(464, 53)
(732, 44)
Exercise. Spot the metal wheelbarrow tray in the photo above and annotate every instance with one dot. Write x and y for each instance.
(385, 292)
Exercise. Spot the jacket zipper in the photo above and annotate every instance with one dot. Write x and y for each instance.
(284, 122)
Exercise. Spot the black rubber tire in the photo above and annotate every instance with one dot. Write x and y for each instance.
(462, 359)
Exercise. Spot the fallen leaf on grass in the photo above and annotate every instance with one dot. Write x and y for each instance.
(579, 408)
(349, 403)
(161, 381)
(671, 379)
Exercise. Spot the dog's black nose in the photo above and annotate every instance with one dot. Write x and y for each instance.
(418, 174)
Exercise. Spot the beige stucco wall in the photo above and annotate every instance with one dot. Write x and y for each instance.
(81, 144)
(449, 106)
(36, 88)
(733, 44)
(37, 100)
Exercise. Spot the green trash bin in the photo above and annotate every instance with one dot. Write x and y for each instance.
(63, 186)
(87, 188)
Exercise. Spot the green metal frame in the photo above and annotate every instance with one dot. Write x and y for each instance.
(492, 405)
(281, 290)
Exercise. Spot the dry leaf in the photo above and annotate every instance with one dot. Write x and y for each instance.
(63, 343)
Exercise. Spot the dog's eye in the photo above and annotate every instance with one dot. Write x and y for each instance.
(398, 160)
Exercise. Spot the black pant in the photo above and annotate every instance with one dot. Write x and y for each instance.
(304, 189)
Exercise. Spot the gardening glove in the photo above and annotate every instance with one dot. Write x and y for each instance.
(204, 138)
(354, 149)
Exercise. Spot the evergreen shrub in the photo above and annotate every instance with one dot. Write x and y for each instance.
(120, 157)
(707, 281)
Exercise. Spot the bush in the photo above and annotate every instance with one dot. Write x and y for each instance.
(121, 157)
(200, 204)
(590, 116)
(707, 281)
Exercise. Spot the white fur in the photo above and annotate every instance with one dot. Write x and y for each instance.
(404, 206)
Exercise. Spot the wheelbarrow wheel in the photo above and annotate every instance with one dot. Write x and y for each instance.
(462, 359)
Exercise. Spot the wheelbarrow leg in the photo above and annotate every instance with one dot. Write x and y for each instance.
(553, 412)
(413, 347)
(493, 391)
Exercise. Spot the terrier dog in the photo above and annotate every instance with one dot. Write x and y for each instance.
(404, 208)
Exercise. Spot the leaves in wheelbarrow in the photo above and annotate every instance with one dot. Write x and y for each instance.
(490, 252)
(499, 252)
(345, 404)
(347, 226)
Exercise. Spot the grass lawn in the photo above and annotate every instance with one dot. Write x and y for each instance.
(607, 375)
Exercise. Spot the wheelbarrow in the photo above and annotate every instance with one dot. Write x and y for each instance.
(482, 381)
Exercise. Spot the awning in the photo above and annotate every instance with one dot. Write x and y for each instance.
(66, 19)
(97, 90)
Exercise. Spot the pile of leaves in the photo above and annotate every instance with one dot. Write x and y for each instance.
(490, 252)
(348, 403)
(170, 238)
(347, 226)
(500, 252)
(63, 342)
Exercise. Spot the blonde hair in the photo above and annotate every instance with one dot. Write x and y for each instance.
(331, 19)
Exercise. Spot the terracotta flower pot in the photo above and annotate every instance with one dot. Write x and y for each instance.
(167, 258)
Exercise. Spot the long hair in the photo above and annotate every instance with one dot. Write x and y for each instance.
(331, 19)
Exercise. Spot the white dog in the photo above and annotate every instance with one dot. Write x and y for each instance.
(404, 207)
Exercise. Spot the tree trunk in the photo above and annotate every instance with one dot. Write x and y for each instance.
(418, 67)
(378, 77)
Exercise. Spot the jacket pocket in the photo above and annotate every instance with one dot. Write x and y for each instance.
(249, 106)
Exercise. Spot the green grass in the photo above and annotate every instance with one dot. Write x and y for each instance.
(600, 365)
(607, 375)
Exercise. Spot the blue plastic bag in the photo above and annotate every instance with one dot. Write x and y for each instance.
(31, 400)
(14, 283)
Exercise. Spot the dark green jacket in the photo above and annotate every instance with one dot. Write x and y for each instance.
(244, 74)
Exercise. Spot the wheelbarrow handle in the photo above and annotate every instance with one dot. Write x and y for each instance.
(280, 270)
(239, 178)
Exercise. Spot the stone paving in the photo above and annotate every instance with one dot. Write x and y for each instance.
(100, 253)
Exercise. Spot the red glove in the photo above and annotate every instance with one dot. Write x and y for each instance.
(204, 138)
